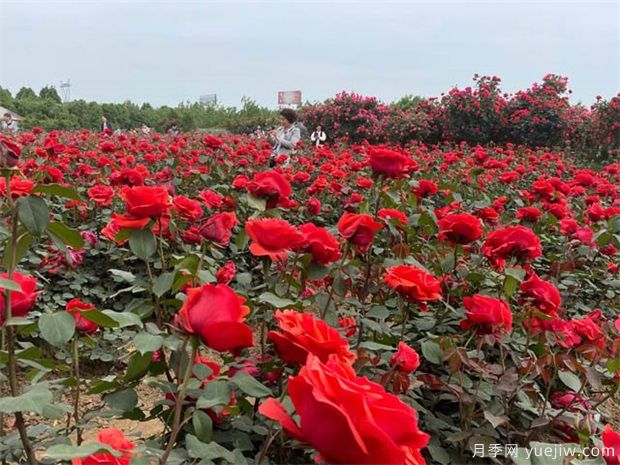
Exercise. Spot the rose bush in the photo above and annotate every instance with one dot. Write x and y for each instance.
(364, 304)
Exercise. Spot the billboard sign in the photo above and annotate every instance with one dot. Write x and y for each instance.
(289, 97)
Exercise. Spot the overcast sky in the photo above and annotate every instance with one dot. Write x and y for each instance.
(168, 52)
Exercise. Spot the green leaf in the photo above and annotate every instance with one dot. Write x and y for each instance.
(203, 426)
(57, 328)
(67, 451)
(163, 283)
(23, 244)
(32, 401)
(272, 299)
(614, 224)
(10, 285)
(250, 385)
(432, 352)
(142, 243)
(511, 285)
(570, 379)
(124, 400)
(124, 319)
(103, 320)
(67, 192)
(33, 214)
(316, 271)
(146, 342)
(138, 366)
(210, 451)
(66, 234)
(214, 393)
(517, 273)
(256, 203)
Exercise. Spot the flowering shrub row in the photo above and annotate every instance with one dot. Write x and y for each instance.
(364, 304)
(538, 116)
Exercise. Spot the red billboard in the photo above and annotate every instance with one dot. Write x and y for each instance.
(289, 97)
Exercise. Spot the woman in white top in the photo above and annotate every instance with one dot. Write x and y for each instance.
(318, 136)
(285, 137)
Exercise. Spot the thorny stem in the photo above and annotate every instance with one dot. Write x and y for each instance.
(10, 331)
(178, 407)
(333, 289)
(76, 375)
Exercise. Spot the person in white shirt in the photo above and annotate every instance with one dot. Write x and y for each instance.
(285, 137)
(318, 136)
(8, 123)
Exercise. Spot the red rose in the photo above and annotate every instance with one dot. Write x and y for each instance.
(460, 228)
(9, 152)
(302, 333)
(388, 162)
(359, 229)
(611, 441)
(513, 241)
(116, 440)
(529, 214)
(413, 284)
(188, 209)
(21, 302)
(218, 228)
(146, 201)
(486, 315)
(425, 189)
(272, 237)
(226, 274)
(387, 214)
(192, 235)
(212, 141)
(543, 294)
(313, 206)
(76, 307)
(405, 359)
(215, 313)
(211, 199)
(119, 222)
(101, 194)
(20, 187)
(349, 419)
(271, 186)
(320, 243)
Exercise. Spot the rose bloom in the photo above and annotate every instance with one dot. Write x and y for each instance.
(530, 214)
(349, 419)
(405, 359)
(20, 187)
(320, 243)
(101, 194)
(544, 295)
(513, 241)
(10, 152)
(82, 325)
(272, 237)
(146, 201)
(388, 214)
(460, 228)
(116, 440)
(302, 333)
(359, 229)
(486, 315)
(611, 441)
(21, 302)
(216, 314)
(271, 186)
(425, 189)
(226, 273)
(388, 162)
(188, 209)
(414, 284)
(313, 205)
(218, 228)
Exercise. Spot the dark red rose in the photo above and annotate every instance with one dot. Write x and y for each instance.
(226, 273)
(216, 314)
(388, 162)
(486, 315)
(460, 228)
(271, 186)
(320, 243)
(359, 229)
(513, 241)
(544, 295)
(218, 228)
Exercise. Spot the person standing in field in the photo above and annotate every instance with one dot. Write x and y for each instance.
(285, 137)
(105, 125)
(318, 136)
(9, 124)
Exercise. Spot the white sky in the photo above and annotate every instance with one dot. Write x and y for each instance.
(168, 52)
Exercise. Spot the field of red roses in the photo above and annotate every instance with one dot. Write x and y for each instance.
(362, 305)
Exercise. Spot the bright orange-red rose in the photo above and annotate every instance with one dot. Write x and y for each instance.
(413, 284)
